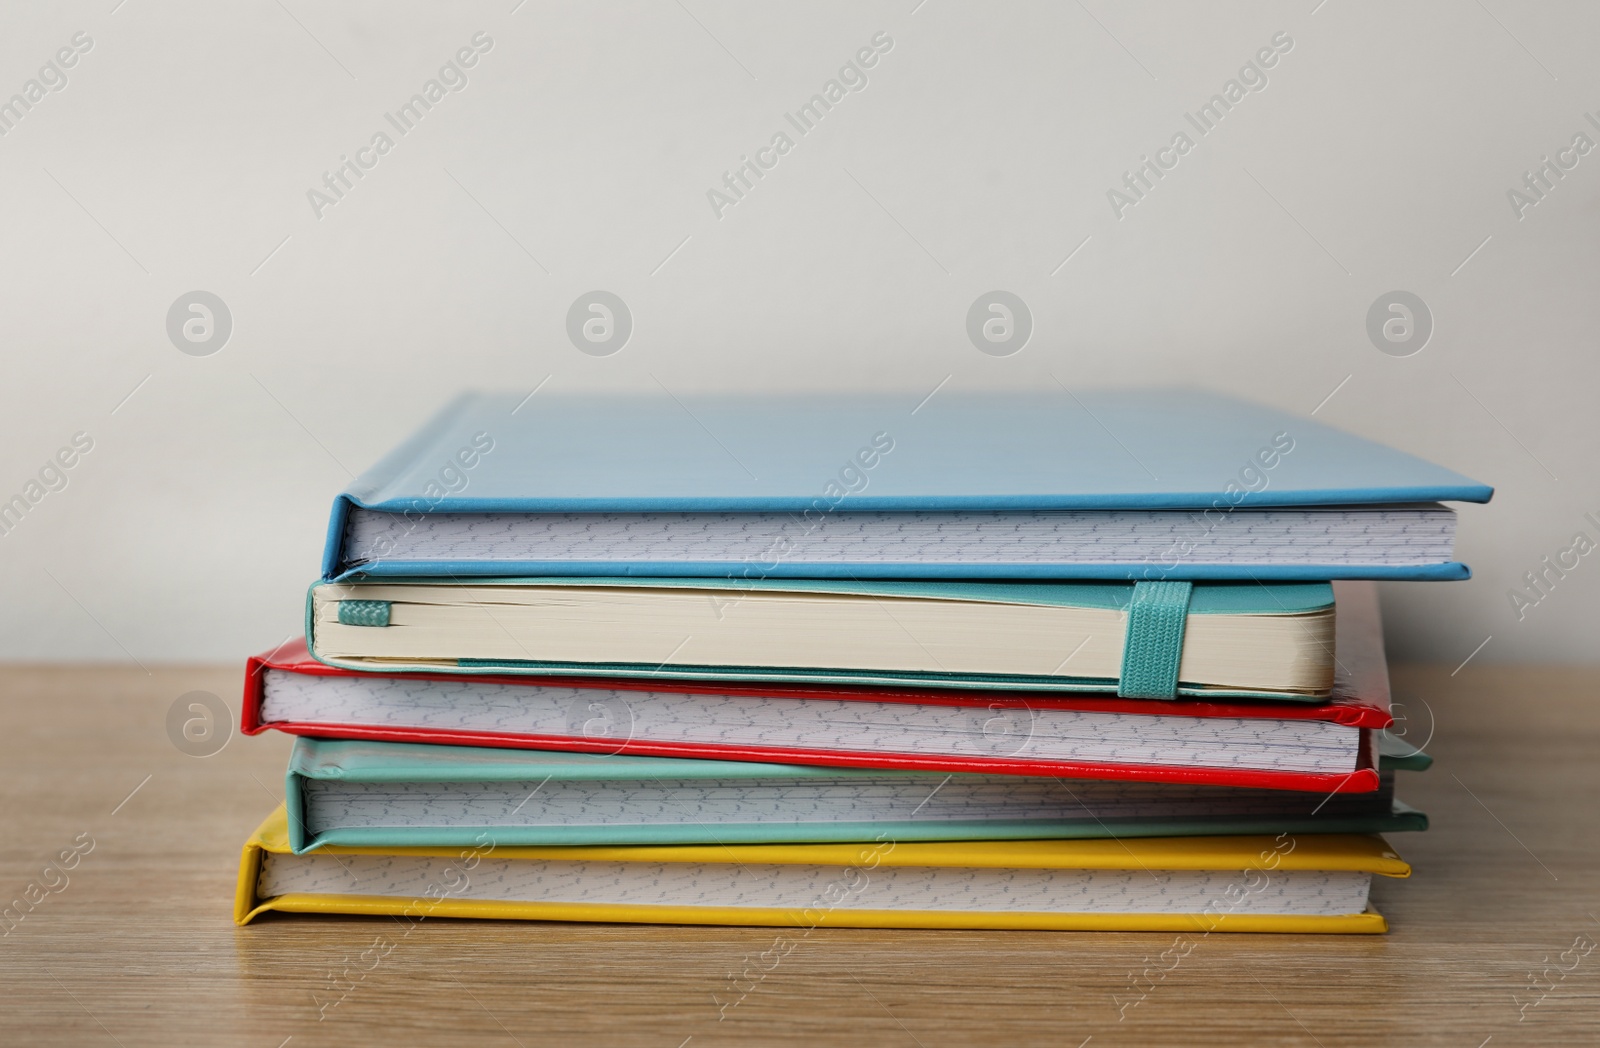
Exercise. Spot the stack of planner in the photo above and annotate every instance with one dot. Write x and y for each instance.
(1107, 661)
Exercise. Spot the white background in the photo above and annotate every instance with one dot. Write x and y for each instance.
(579, 156)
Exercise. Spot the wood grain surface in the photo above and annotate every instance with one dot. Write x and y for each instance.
(137, 946)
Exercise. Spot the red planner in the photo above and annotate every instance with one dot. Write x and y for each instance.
(1331, 747)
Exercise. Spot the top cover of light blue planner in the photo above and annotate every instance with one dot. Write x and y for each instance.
(1133, 449)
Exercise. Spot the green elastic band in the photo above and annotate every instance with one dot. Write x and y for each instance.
(364, 612)
(1152, 648)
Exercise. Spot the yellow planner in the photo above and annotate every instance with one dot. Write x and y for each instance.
(1315, 883)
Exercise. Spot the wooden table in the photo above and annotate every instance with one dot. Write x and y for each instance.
(138, 947)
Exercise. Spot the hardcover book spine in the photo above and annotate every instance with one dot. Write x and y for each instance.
(371, 487)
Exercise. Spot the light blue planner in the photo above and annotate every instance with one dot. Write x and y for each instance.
(1131, 484)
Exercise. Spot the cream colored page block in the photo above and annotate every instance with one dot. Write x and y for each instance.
(814, 631)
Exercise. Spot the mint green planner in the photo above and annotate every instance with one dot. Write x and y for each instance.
(382, 794)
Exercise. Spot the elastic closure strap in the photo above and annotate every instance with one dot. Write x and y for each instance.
(1152, 648)
(364, 612)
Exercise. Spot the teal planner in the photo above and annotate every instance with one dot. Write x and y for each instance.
(1146, 640)
(1142, 485)
(382, 794)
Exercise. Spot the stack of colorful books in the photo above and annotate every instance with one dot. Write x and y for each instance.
(1106, 661)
